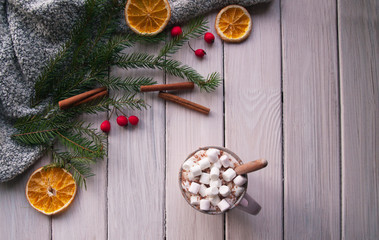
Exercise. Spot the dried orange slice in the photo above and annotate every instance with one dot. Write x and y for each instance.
(50, 190)
(147, 17)
(233, 23)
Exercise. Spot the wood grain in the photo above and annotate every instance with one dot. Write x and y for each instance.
(359, 64)
(136, 170)
(253, 121)
(311, 120)
(186, 131)
(18, 219)
(86, 218)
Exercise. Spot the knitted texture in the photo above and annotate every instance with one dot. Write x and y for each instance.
(32, 32)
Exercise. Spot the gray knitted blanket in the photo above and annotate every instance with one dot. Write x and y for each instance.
(31, 32)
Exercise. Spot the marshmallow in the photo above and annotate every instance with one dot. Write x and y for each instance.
(215, 200)
(224, 191)
(215, 172)
(196, 170)
(217, 164)
(239, 191)
(205, 204)
(212, 191)
(204, 163)
(194, 188)
(228, 175)
(204, 178)
(212, 154)
(225, 161)
(239, 180)
(216, 183)
(190, 176)
(223, 205)
(188, 164)
(203, 190)
(195, 200)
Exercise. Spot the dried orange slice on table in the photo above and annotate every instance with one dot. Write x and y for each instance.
(147, 17)
(50, 190)
(233, 23)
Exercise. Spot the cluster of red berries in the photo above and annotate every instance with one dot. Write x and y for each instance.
(208, 37)
(121, 121)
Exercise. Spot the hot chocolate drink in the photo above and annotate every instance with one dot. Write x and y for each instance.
(209, 182)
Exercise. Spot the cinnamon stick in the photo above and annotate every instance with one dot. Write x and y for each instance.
(172, 86)
(93, 97)
(251, 166)
(184, 102)
(69, 102)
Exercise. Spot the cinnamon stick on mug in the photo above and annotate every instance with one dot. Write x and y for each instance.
(70, 102)
(251, 166)
(172, 86)
(184, 102)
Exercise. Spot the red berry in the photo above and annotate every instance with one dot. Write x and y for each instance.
(122, 121)
(105, 126)
(209, 37)
(176, 31)
(133, 120)
(200, 53)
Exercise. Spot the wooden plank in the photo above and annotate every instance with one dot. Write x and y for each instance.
(253, 116)
(359, 64)
(186, 131)
(86, 218)
(18, 219)
(136, 168)
(311, 120)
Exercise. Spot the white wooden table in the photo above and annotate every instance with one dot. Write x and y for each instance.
(302, 92)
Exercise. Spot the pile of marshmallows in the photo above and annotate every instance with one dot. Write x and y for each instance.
(210, 181)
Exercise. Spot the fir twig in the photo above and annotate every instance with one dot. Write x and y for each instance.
(80, 144)
(40, 137)
(194, 29)
(128, 84)
(171, 66)
(80, 171)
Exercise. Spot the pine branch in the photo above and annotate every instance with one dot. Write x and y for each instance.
(160, 37)
(127, 101)
(86, 130)
(80, 145)
(213, 81)
(78, 166)
(61, 158)
(196, 28)
(128, 84)
(41, 137)
(80, 171)
(171, 66)
(78, 84)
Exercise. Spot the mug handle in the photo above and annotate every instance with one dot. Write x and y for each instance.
(249, 205)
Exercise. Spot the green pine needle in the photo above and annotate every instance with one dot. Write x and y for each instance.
(195, 28)
(128, 84)
(80, 171)
(170, 66)
(80, 144)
